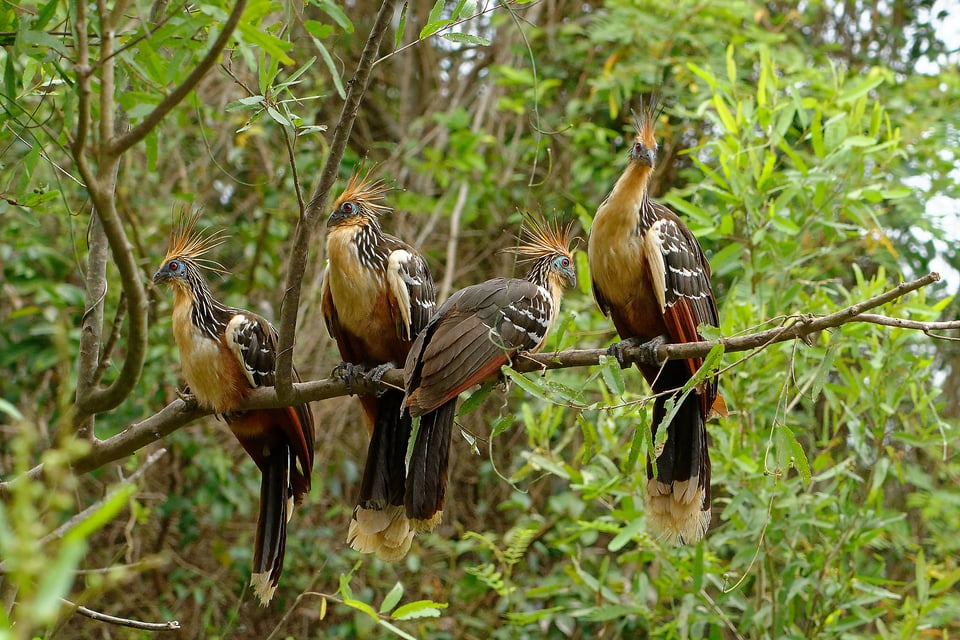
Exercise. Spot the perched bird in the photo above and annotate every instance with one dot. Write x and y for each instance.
(224, 354)
(474, 333)
(377, 295)
(650, 275)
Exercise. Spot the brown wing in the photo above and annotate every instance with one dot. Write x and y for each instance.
(412, 293)
(253, 341)
(681, 280)
(473, 334)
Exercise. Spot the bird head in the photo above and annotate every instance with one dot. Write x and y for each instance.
(643, 151)
(547, 246)
(185, 254)
(360, 203)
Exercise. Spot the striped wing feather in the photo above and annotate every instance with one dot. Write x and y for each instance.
(472, 335)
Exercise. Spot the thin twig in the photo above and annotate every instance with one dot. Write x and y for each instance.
(123, 622)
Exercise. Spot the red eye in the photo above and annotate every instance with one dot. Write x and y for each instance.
(638, 147)
(173, 266)
(348, 208)
(565, 262)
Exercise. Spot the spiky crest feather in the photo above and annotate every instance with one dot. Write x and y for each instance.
(540, 239)
(189, 244)
(365, 192)
(646, 119)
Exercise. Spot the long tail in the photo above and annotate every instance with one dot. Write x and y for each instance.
(678, 498)
(427, 476)
(379, 523)
(276, 507)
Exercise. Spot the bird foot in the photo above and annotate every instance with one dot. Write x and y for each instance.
(187, 397)
(647, 351)
(375, 376)
(350, 373)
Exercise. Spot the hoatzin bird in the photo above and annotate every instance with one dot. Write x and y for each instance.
(650, 275)
(474, 333)
(377, 295)
(224, 354)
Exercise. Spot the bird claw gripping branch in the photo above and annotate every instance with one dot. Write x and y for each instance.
(646, 351)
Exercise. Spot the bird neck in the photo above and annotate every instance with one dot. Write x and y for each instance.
(360, 243)
(193, 304)
(633, 184)
(541, 275)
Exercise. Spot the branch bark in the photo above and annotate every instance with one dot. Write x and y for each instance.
(177, 413)
(311, 215)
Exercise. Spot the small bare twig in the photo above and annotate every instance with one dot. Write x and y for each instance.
(123, 622)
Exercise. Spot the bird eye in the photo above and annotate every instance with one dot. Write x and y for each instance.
(563, 262)
(173, 266)
(348, 208)
(638, 147)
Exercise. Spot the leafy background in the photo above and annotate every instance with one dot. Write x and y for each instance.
(810, 149)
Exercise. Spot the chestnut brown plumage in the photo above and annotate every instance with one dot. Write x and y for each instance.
(377, 295)
(473, 334)
(650, 275)
(225, 353)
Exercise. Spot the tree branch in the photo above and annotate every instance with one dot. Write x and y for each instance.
(297, 266)
(177, 413)
(123, 622)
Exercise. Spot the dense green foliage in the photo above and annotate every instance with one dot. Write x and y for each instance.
(805, 152)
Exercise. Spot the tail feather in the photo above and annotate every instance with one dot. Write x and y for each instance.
(427, 476)
(678, 498)
(379, 523)
(276, 507)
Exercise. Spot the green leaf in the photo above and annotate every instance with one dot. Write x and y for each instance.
(46, 12)
(626, 535)
(279, 117)
(475, 398)
(334, 10)
(790, 452)
(526, 384)
(466, 38)
(826, 366)
(612, 375)
(271, 45)
(725, 116)
(419, 609)
(401, 27)
(318, 29)
(731, 65)
(816, 134)
(861, 88)
(361, 606)
(392, 598)
(8, 408)
(59, 576)
(434, 23)
(705, 75)
(328, 60)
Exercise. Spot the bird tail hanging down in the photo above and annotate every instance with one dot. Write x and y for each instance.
(380, 524)
(678, 498)
(427, 475)
(276, 507)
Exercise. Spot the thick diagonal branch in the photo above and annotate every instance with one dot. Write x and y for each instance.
(310, 217)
